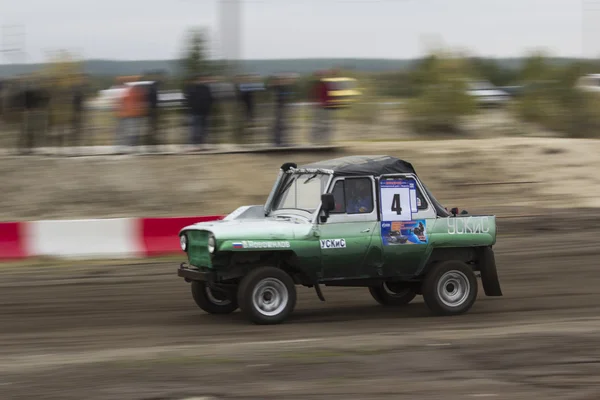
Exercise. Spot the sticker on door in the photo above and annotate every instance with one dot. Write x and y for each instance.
(403, 232)
(333, 243)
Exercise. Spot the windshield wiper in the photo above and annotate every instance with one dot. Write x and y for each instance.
(310, 178)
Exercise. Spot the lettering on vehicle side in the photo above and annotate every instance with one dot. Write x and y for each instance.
(333, 243)
(461, 226)
(249, 244)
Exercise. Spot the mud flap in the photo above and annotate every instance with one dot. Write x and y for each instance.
(489, 274)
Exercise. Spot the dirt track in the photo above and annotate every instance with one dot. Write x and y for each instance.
(121, 332)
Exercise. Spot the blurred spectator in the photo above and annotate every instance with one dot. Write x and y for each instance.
(323, 118)
(282, 88)
(188, 86)
(120, 87)
(223, 93)
(13, 102)
(132, 111)
(153, 110)
(80, 89)
(34, 124)
(201, 101)
(246, 90)
(186, 91)
(60, 112)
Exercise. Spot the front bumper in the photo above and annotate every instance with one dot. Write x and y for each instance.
(194, 274)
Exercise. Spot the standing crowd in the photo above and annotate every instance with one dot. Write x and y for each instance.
(204, 97)
(46, 110)
(52, 114)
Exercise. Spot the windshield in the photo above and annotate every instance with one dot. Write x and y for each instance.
(342, 85)
(301, 192)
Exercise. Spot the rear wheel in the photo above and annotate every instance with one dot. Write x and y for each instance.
(211, 300)
(450, 288)
(392, 294)
(267, 295)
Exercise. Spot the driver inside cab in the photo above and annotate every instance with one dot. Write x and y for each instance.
(359, 196)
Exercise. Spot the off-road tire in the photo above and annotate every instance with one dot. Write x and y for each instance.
(204, 301)
(267, 280)
(385, 298)
(455, 273)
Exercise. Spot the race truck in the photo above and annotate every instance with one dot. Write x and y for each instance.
(255, 257)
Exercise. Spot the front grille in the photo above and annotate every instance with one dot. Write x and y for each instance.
(198, 254)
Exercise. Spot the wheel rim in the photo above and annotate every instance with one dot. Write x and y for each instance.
(395, 293)
(453, 288)
(270, 297)
(216, 299)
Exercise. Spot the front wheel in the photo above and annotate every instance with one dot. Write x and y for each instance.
(213, 301)
(267, 295)
(450, 288)
(392, 294)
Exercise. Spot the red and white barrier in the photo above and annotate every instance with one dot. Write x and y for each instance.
(13, 240)
(94, 238)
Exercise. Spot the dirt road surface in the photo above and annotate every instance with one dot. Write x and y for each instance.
(133, 332)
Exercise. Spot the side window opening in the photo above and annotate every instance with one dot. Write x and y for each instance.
(359, 195)
(421, 202)
(339, 198)
(353, 196)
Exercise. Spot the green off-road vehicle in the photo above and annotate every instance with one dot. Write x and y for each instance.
(362, 221)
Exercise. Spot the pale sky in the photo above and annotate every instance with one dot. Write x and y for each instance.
(153, 29)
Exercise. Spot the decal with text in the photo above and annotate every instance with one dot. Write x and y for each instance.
(249, 244)
(398, 199)
(462, 226)
(333, 243)
(404, 232)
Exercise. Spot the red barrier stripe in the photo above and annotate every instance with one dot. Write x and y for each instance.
(12, 243)
(159, 235)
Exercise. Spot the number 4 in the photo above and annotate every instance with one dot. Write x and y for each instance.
(396, 204)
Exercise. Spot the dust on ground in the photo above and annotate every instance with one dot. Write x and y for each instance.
(133, 332)
(503, 175)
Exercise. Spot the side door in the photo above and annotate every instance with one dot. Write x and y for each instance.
(345, 238)
(405, 213)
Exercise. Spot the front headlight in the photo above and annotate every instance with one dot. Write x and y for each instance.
(211, 244)
(183, 242)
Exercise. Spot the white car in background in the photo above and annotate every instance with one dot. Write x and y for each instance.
(487, 94)
(589, 83)
(107, 98)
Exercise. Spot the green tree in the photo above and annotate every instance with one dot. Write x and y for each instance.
(443, 99)
(194, 59)
(552, 100)
(535, 67)
(59, 76)
(492, 71)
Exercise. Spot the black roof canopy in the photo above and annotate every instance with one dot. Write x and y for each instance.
(374, 165)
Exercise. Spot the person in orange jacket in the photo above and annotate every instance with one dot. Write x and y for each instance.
(132, 111)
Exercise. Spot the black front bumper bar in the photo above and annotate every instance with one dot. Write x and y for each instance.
(194, 274)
